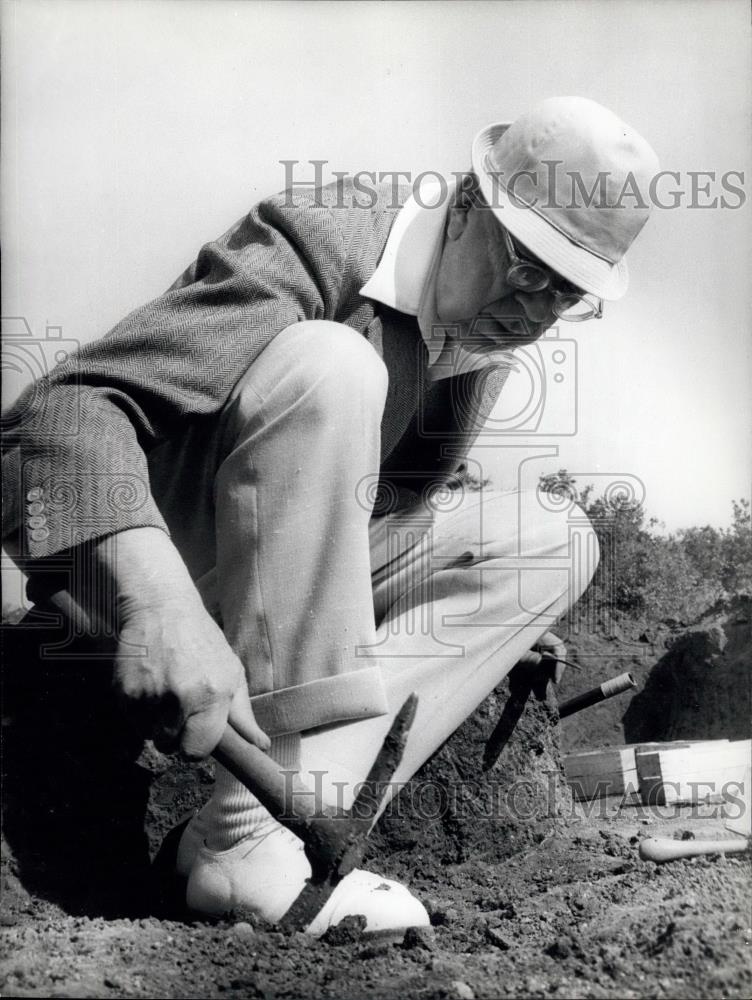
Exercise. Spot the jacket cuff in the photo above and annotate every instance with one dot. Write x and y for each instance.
(51, 512)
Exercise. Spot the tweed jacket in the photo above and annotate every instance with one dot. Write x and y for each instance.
(76, 444)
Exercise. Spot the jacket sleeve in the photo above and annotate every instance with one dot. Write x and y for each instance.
(75, 443)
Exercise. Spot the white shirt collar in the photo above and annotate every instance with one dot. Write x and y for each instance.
(405, 267)
(405, 280)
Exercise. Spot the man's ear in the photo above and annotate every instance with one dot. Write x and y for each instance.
(457, 222)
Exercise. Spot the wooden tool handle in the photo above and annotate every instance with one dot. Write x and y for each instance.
(609, 688)
(326, 835)
(282, 793)
(334, 841)
(666, 849)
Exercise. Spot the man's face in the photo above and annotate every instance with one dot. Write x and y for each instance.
(471, 282)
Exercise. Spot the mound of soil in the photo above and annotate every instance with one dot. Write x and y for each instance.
(693, 682)
(454, 810)
(701, 688)
(602, 650)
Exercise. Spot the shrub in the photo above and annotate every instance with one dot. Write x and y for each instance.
(645, 571)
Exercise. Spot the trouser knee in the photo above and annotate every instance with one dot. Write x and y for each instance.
(325, 369)
(544, 533)
(566, 532)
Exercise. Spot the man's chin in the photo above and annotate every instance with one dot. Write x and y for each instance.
(449, 315)
(504, 330)
(487, 327)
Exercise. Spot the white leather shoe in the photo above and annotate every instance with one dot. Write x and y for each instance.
(191, 842)
(264, 873)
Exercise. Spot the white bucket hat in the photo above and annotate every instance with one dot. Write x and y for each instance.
(570, 181)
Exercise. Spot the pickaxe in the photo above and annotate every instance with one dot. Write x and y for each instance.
(334, 841)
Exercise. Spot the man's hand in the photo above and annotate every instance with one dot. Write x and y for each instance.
(180, 678)
(551, 645)
(173, 666)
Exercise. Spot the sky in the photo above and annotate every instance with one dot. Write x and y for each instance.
(134, 132)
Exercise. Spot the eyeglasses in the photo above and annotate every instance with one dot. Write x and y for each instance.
(569, 304)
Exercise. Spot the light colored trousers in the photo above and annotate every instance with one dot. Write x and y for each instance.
(338, 615)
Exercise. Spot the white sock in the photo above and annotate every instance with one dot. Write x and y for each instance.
(233, 813)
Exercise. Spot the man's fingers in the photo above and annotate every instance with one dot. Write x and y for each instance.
(183, 694)
(559, 652)
(168, 725)
(166, 741)
(141, 708)
(244, 722)
(553, 648)
(530, 658)
(550, 642)
(202, 731)
(553, 657)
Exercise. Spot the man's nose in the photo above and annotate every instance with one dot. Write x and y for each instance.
(538, 306)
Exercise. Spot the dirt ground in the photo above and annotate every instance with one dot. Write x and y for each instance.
(578, 915)
(529, 895)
